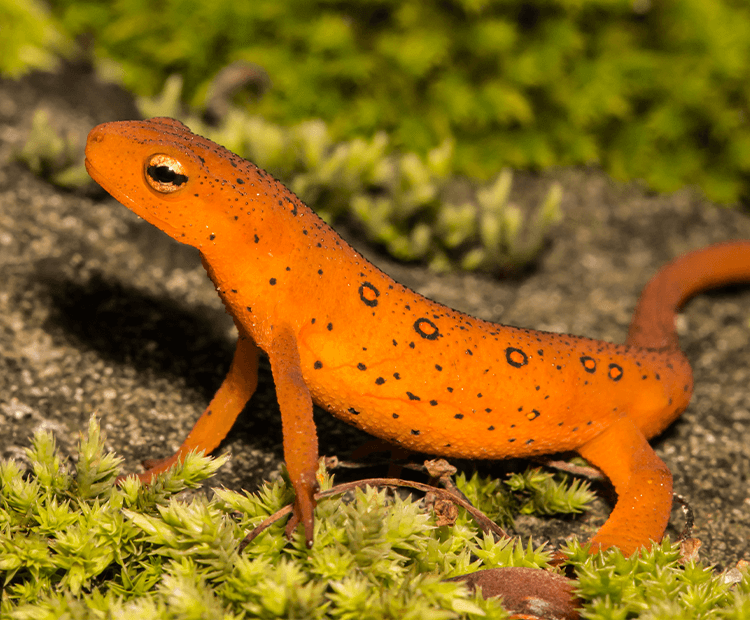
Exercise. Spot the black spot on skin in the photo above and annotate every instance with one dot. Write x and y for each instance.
(414, 432)
(353, 411)
(395, 416)
(468, 352)
(240, 181)
(329, 327)
(433, 403)
(318, 365)
(396, 376)
(516, 357)
(248, 308)
(529, 441)
(368, 294)
(293, 205)
(615, 372)
(320, 272)
(438, 367)
(395, 344)
(361, 366)
(379, 381)
(272, 281)
(209, 412)
(533, 415)
(426, 328)
(459, 416)
(256, 238)
(212, 236)
(589, 364)
(490, 428)
(413, 396)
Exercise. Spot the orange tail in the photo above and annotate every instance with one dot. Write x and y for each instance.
(653, 321)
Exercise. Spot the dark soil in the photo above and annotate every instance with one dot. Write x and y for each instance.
(102, 313)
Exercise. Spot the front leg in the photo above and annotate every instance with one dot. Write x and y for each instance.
(228, 402)
(298, 427)
(643, 484)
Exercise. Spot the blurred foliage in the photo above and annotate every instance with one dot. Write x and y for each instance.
(652, 90)
(52, 156)
(29, 37)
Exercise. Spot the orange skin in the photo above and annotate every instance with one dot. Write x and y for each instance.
(342, 334)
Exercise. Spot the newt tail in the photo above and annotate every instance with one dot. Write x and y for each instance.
(653, 326)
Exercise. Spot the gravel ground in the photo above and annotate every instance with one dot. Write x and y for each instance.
(102, 313)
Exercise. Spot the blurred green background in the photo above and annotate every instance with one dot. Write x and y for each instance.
(656, 91)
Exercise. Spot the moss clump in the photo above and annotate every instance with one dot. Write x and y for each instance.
(74, 545)
(30, 38)
(51, 156)
(651, 90)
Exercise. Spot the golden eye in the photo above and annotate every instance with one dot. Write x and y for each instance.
(165, 174)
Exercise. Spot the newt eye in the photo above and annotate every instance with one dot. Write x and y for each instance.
(165, 174)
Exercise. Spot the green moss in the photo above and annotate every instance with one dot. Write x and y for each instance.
(51, 156)
(29, 37)
(73, 545)
(656, 584)
(651, 90)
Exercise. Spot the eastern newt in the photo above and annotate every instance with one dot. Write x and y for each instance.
(342, 334)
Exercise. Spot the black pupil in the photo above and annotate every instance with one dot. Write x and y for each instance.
(164, 174)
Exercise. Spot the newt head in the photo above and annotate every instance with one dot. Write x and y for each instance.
(165, 174)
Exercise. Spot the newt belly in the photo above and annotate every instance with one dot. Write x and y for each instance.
(341, 333)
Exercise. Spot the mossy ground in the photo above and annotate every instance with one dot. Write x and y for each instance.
(75, 545)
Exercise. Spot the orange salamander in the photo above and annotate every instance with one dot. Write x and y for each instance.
(342, 334)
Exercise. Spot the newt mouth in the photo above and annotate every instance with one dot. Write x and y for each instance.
(149, 215)
(93, 172)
